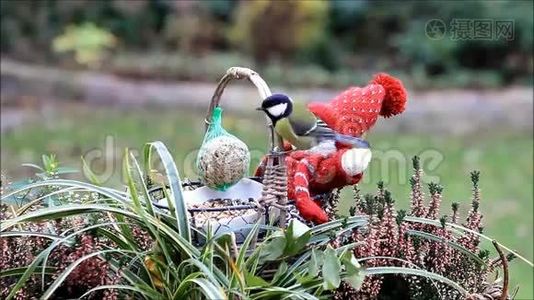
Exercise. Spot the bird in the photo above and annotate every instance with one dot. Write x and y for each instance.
(300, 127)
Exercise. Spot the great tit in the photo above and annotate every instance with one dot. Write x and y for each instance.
(299, 126)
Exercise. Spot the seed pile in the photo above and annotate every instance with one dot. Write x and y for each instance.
(201, 217)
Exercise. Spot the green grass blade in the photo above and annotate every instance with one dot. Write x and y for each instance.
(28, 205)
(131, 277)
(402, 261)
(88, 173)
(21, 270)
(61, 277)
(283, 293)
(130, 172)
(41, 256)
(57, 212)
(71, 183)
(326, 227)
(450, 226)
(143, 185)
(33, 166)
(175, 183)
(209, 289)
(132, 189)
(116, 238)
(76, 209)
(209, 273)
(452, 244)
(29, 233)
(142, 292)
(416, 272)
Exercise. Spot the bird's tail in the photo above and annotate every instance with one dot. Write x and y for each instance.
(353, 142)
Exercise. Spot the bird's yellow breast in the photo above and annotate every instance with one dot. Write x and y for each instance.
(284, 129)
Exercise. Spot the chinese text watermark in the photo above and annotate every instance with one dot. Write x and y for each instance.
(471, 29)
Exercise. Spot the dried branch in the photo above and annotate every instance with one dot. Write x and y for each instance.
(505, 270)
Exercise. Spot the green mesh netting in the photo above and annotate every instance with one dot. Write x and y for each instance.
(215, 128)
(223, 159)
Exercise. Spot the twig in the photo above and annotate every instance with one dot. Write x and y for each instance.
(505, 270)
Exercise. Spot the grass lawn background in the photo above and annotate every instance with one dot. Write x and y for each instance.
(504, 159)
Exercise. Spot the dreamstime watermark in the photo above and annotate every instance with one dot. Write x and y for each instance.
(471, 29)
(392, 166)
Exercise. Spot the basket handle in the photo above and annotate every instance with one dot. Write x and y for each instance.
(252, 76)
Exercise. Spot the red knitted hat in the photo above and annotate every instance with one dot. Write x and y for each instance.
(356, 110)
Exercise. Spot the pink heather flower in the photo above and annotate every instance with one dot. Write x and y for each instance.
(435, 201)
(417, 197)
(143, 239)
(388, 232)
(405, 245)
(474, 217)
(372, 284)
(440, 254)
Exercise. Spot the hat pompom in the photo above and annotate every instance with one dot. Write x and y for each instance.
(395, 99)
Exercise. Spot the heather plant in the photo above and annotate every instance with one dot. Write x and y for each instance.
(421, 239)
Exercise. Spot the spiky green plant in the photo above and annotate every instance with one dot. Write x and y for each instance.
(146, 252)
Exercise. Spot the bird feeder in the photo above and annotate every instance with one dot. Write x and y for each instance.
(240, 204)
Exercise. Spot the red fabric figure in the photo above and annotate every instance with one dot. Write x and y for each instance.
(356, 110)
(353, 112)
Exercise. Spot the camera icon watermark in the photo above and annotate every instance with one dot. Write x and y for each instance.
(435, 29)
(471, 29)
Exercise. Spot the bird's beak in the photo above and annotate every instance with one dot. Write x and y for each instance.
(260, 108)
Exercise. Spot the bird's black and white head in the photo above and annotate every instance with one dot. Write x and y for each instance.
(277, 106)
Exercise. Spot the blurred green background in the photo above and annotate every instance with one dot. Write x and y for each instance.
(88, 78)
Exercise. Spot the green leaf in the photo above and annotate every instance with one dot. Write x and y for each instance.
(281, 271)
(35, 234)
(352, 268)
(66, 170)
(88, 173)
(331, 269)
(126, 171)
(120, 287)
(214, 274)
(175, 183)
(304, 279)
(356, 280)
(315, 263)
(33, 166)
(79, 209)
(274, 248)
(297, 228)
(254, 281)
(297, 236)
(20, 271)
(210, 289)
(139, 177)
